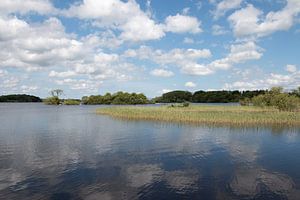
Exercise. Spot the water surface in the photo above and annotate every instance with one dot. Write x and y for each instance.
(69, 152)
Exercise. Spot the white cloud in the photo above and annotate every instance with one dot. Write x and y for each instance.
(187, 59)
(218, 30)
(32, 47)
(162, 73)
(239, 53)
(141, 28)
(193, 68)
(190, 84)
(25, 6)
(182, 24)
(290, 81)
(291, 68)
(134, 24)
(10, 82)
(62, 74)
(28, 89)
(188, 40)
(80, 84)
(225, 6)
(250, 21)
(3, 73)
(165, 91)
(46, 46)
(186, 11)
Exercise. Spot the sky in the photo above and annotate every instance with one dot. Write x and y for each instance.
(89, 47)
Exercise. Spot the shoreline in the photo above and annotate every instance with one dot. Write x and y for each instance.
(206, 115)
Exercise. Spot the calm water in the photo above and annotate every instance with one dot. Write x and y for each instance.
(68, 152)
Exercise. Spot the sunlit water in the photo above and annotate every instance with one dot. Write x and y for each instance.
(69, 152)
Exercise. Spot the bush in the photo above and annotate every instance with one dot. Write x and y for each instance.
(186, 104)
(277, 99)
(71, 102)
(285, 102)
(180, 105)
(245, 102)
(52, 101)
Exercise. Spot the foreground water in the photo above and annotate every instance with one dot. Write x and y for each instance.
(69, 152)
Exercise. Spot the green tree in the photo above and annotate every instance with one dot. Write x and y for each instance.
(278, 99)
(54, 99)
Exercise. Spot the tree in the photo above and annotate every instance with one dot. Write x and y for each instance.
(278, 99)
(54, 99)
(296, 92)
(56, 92)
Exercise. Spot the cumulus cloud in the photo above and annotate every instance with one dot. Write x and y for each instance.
(188, 59)
(218, 30)
(80, 84)
(28, 88)
(25, 6)
(250, 21)
(182, 24)
(46, 46)
(9, 82)
(185, 59)
(190, 84)
(2, 73)
(166, 57)
(161, 73)
(290, 80)
(239, 53)
(291, 68)
(188, 40)
(134, 24)
(36, 46)
(224, 6)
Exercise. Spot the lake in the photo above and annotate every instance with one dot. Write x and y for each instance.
(69, 152)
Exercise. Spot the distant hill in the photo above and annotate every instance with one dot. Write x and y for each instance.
(19, 98)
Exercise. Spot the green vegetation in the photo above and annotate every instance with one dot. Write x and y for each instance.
(206, 96)
(54, 99)
(71, 102)
(119, 98)
(278, 99)
(19, 98)
(210, 115)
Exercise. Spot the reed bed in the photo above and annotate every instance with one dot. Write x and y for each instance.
(210, 115)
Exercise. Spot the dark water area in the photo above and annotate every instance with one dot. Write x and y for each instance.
(69, 152)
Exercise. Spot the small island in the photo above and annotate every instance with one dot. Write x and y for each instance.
(273, 107)
(19, 98)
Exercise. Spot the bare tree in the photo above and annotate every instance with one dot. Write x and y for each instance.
(57, 92)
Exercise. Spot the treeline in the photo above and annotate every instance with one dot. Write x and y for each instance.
(15, 98)
(119, 98)
(179, 96)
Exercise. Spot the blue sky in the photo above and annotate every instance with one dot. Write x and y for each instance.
(151, 46)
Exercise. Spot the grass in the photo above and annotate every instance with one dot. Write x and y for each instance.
(71, 102)
(210, 115)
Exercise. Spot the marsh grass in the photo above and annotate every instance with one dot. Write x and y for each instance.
(210, 115)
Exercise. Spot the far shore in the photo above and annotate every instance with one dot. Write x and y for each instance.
(209, 115)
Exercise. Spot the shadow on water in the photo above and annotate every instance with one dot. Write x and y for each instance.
(70, 153)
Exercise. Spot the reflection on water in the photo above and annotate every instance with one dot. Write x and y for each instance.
(68, 152)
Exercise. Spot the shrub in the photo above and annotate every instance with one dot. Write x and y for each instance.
(71, 102)
(52, 101)
(276, 98)
(245, 102)
(186, 104)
